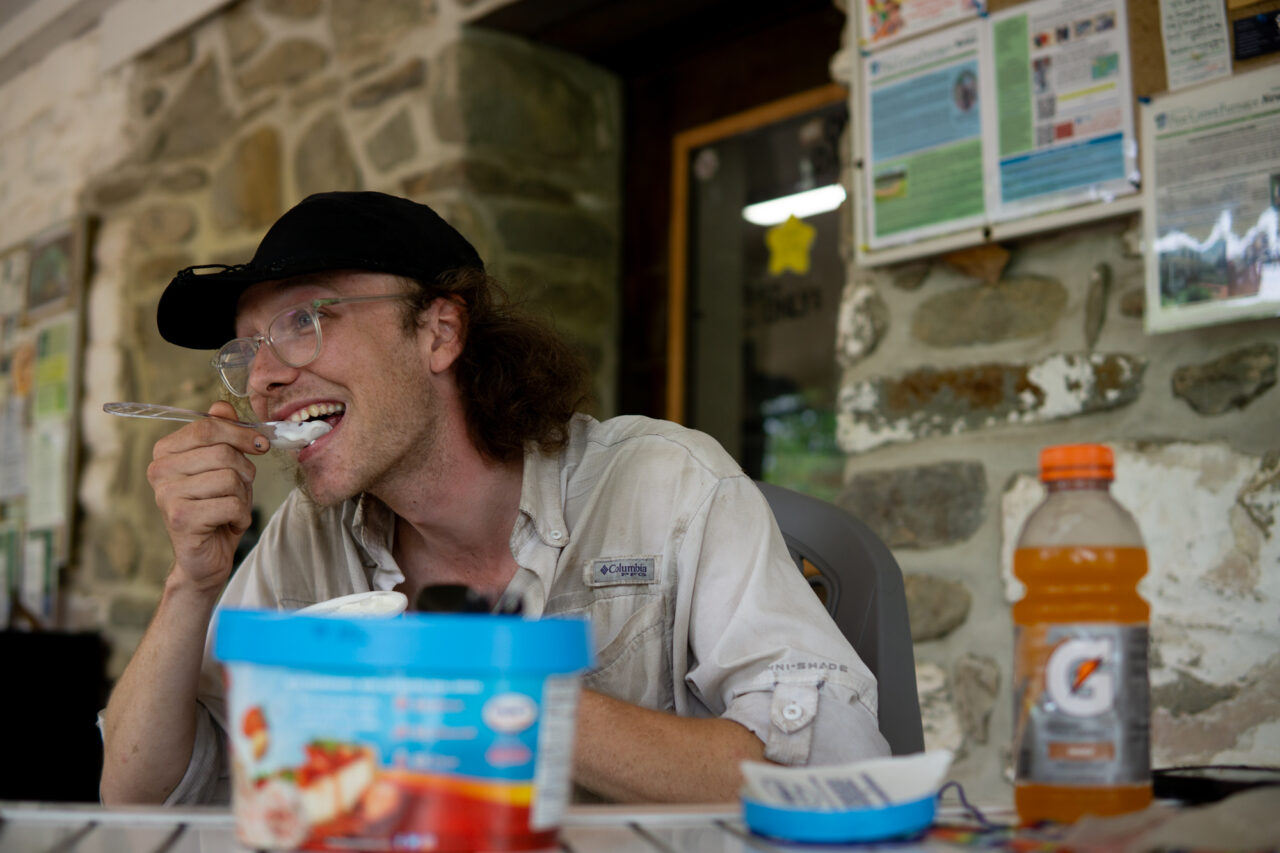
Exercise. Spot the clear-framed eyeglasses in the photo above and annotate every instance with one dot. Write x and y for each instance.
(294, 336)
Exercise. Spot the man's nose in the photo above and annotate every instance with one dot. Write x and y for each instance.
(268, 371)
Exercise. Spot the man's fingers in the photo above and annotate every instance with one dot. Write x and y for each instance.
(203, 490)
(223, 409)
(174, 495)
(218, 483)
(212, 431)
(198, 460)
(185, 518)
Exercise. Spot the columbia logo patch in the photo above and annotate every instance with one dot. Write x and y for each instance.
(619, 570)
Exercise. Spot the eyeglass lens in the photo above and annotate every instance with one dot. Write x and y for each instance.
(293, 335)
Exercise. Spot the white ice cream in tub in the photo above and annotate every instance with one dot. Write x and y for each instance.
(376, 603)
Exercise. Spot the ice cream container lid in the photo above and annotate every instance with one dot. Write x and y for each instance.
(865, 800)
(839, 826)
(429, 643)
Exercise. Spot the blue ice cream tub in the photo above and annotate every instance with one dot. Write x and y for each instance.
(422, 732)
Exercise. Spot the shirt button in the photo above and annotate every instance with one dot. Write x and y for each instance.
(556, 535)
(792, 712)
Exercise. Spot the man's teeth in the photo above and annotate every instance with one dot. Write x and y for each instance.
(316, 410)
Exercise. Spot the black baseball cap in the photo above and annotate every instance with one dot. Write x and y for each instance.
(368, 231)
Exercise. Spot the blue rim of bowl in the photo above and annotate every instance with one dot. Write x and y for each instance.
(869, 824)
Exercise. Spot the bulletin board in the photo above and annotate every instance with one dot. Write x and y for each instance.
(41, 326)
(960, 49)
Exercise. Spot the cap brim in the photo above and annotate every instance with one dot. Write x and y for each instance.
(197, 310)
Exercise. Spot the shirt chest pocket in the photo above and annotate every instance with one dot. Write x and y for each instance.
(631, 626)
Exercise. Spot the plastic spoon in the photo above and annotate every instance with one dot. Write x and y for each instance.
(283, 434)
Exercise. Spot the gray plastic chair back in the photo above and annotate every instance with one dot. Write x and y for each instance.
(865, 596)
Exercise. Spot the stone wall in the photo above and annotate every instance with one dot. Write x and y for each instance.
(238, 117)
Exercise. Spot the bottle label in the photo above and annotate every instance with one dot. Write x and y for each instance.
(1081, 704)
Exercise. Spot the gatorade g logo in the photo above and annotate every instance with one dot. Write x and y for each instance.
(1073, 679)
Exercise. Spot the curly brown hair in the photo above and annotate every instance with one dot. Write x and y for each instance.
(519, 381)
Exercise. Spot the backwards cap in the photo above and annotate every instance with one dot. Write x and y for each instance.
(367, 231)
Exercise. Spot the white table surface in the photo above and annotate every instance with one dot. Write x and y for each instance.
(86, 828)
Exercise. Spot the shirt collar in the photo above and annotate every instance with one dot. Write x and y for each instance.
(541, 496)
(372, 524)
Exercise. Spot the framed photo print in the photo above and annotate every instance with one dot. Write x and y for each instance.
(54, 272)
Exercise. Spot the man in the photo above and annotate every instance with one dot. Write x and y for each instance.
(455, 457)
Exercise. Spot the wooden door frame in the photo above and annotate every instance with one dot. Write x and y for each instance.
(682, 144)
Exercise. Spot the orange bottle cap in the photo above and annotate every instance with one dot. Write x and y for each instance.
(1077, 462)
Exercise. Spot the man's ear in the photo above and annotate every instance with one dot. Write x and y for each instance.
(443, 330)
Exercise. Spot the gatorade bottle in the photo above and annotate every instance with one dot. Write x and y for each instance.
(1081, 740)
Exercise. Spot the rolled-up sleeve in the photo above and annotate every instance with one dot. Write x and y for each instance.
(764, 651)
(206, 778)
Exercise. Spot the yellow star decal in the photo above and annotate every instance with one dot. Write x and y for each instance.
(789, 245)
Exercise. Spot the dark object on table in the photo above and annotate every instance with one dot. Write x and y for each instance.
(1209, 783)
(450, 598)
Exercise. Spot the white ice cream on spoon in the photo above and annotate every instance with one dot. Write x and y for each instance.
(307, 431)
(299, 430)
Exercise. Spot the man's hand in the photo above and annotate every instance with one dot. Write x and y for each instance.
(631, 754)
(203, 482)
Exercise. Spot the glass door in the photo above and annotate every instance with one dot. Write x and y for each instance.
(757, 278)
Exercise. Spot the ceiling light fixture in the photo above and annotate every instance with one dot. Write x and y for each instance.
(801, 204)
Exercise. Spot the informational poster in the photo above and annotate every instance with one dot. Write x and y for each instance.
(36, 586)
(13, 445)
(48, 454)
(53, 355)
(1211, 245)
(882, 22)
(13, 285)
(10, 564)
(923, 136)
(1063, 117)
(51, 278)
(49, 438)
(1197, 47)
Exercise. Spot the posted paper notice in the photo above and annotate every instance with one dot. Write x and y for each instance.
(923, 124)
(1197, 48)
(1211, 246)
(1063, 120)
(882, 22)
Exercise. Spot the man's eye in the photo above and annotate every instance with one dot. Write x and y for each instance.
(298, 323)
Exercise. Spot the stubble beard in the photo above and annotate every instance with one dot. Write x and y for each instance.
(424, 451)
(300, 483)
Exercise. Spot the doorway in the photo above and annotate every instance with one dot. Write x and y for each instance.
(682, 64)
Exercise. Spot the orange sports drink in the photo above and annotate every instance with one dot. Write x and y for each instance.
(1081, 740)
